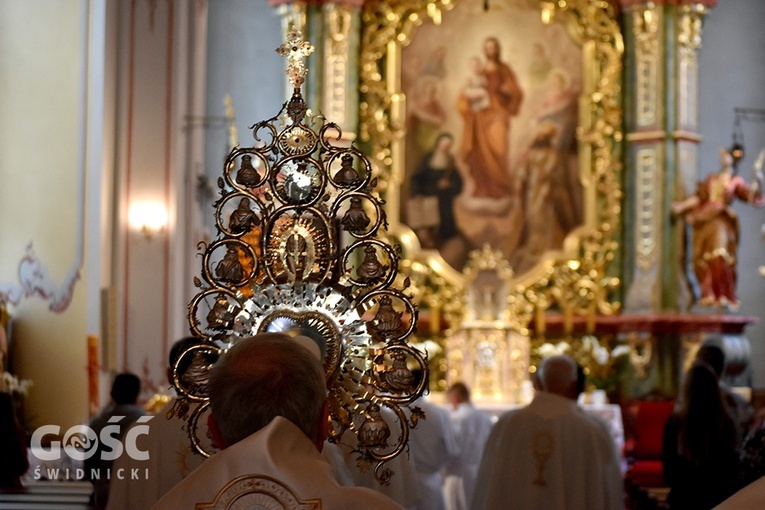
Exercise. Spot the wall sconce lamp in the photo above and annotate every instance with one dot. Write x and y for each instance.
(737, 146)
(148, 218)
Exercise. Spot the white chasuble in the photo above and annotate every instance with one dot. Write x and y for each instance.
(433, 445)
(279, 451)
(549, 455)
(472, 427)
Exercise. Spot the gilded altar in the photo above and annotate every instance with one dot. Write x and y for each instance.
(559, 245)
(577, 202)
(488, 350)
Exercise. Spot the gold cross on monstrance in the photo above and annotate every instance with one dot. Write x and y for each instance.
(295, 49)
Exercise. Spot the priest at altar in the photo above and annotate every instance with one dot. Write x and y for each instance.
(551, 454)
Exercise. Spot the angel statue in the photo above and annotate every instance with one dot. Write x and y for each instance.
(715, 228)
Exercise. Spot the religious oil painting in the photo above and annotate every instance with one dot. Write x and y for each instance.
(491, 118)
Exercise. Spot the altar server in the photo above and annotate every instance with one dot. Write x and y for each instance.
(434, 445)
(551, 454)
(269, 414)
(472, 427)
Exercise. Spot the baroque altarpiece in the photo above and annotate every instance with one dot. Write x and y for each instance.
(529, 153)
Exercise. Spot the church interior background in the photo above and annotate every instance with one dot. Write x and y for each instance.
(118, 116)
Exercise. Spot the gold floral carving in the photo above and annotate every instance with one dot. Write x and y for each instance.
(490, 350)
(435, 285)
(645, 24)
(337, 22)
(689, 27)
(647, 203)
(575, 280)
(689, 41)
(388, 27)
(487, 259)
(641, 351)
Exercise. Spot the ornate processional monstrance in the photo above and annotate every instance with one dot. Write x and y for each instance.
(298, 251)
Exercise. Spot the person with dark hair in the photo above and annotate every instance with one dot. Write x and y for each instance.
(457, 394)
(268, 401)
(739, 409)
(550, 454)
(699, 449)
(122, 412)
(13, 445)
(125, 389)
(713, 356)
(167, 443)
(472, 428)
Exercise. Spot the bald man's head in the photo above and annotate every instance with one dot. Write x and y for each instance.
(557, 374)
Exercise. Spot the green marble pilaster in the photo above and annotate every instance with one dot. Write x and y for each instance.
(661, 79)
(332, 82)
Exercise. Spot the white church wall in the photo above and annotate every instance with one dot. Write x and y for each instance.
(241, 62)
(94, 105)
(731, 75)
(43, 169)
(160, 82)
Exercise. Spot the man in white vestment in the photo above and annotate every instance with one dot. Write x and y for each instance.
(402, 487)
(170, 457)
(433, 444)
(269, 417)
(472, 428)
(551, 454)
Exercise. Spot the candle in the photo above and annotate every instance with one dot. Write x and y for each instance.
(93, 370)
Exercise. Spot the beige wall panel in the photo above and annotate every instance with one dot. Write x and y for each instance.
(42, 47)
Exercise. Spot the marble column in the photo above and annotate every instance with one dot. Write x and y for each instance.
(661, 76)
(332, 81)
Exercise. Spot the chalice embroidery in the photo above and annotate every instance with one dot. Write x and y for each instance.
(542, 446)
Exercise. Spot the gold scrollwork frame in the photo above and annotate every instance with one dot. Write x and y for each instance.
(576, 279)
